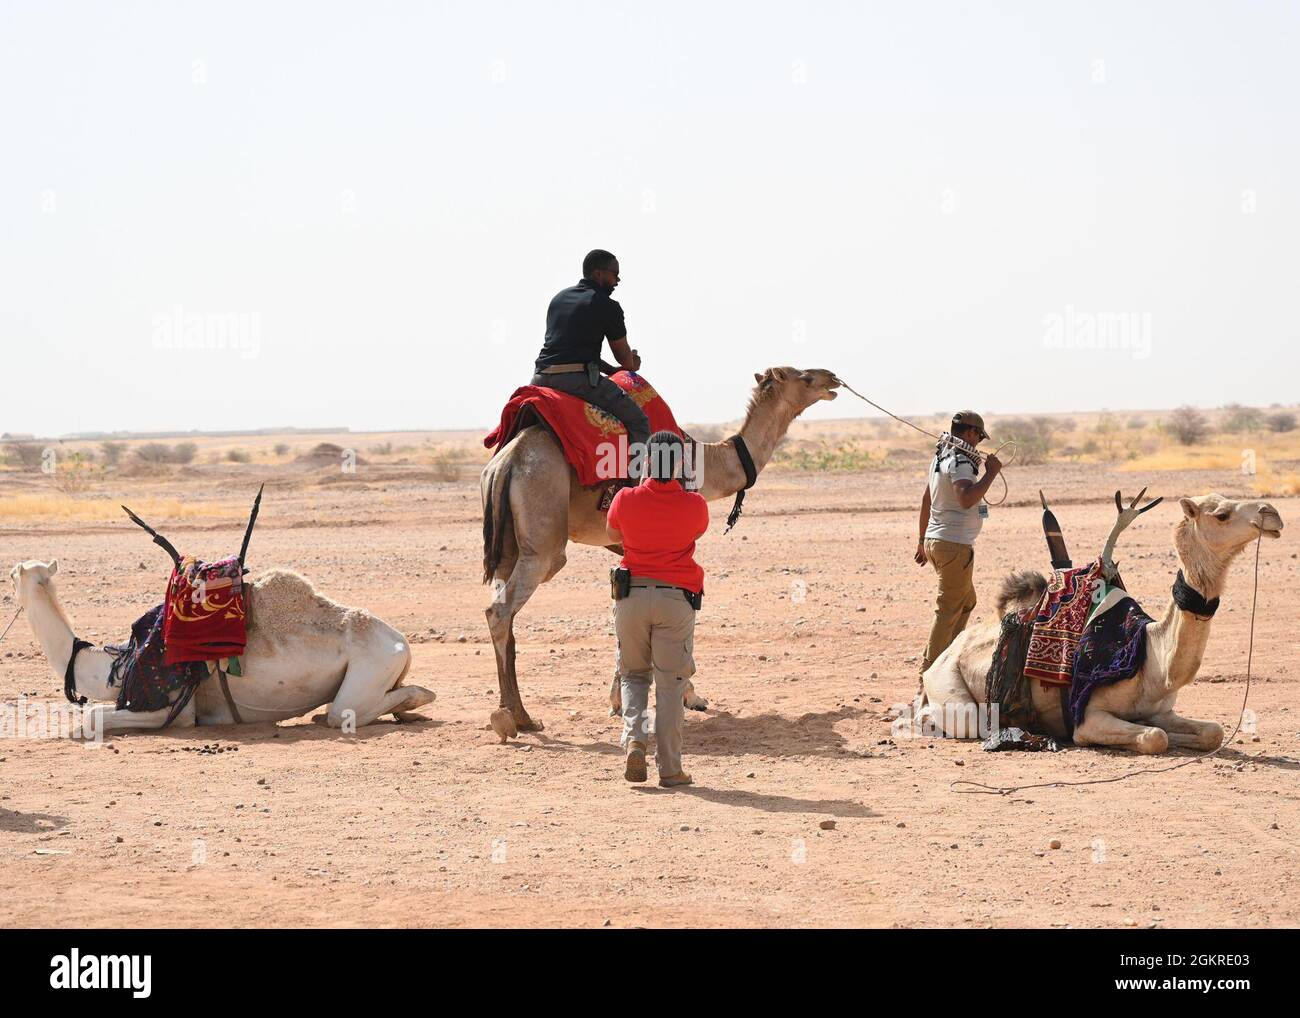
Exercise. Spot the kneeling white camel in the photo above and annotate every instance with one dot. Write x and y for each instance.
(1137, 713)
(304, 651)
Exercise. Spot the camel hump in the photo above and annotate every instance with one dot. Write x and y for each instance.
(1020, 590)
(283, 600)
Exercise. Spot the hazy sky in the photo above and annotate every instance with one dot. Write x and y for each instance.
(935, 200)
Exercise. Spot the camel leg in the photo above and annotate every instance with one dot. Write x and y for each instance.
(370, 689)
(1101, 728)
(1186, 732)
(110, 719)
(615, 696)
(947, 701)
(529, 572)
(689, 697)
(692, 701)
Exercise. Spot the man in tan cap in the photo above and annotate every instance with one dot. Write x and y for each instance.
(952, 512)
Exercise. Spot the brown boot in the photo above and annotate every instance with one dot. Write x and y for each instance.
(673, 780)
(635, 769)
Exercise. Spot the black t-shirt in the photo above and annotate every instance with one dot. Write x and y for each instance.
(579, 319)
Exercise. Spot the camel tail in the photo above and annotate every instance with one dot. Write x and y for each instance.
(495, 523)
(1020, 590)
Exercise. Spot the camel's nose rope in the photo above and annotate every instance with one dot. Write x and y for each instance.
(939, 438)
(978, 788)
(11, 622)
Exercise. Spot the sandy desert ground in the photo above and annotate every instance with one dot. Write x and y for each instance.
(436, 824)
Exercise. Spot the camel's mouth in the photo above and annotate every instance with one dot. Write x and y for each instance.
(1269, 524)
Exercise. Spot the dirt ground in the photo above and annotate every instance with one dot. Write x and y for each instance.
(435, 824)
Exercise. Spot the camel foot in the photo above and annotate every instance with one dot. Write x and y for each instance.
(699, 703)
(528, 724)
(320, 719)
(503, 723)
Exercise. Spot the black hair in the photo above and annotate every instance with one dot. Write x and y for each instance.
(597, 259)
(665, 455)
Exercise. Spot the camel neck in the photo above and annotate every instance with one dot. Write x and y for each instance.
(1180, 637)
(54, 633)
(764, 427)
(51, 626)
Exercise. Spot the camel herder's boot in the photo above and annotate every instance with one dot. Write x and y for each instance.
(635, 769)
(673, 780)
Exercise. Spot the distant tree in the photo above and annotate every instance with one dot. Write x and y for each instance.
(1188, 425)
(111, 452)
(238, 455)
(1240, 418)
(1107, 431)
(1033, 437)
(184, 452)
(1280, 422)
(282, 448)
(154, 452)
(27, 455)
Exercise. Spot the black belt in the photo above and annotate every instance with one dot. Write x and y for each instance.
(692, 598)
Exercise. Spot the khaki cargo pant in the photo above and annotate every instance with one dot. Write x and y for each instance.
(955, 564)
(655, 627)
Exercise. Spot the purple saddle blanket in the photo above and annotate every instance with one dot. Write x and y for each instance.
(1113, 647)
(145, 682)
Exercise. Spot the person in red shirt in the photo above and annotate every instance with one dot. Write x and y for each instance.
(657, 523)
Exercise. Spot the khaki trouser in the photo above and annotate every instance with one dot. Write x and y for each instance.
(655, 627)
(955, 564)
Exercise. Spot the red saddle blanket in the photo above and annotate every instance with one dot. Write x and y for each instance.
(1059, 623)
(585, 432)
(204, 613)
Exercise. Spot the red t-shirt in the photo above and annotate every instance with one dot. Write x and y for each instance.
(659, 521)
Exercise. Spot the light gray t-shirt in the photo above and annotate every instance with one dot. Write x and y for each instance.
(948, 520)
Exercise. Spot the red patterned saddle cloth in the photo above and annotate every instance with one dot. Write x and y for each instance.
(205, 611)
(1059, 622)
(585, 432)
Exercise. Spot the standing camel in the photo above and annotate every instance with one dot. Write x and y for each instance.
(304, 651)
(1137, 713)
(533, 506)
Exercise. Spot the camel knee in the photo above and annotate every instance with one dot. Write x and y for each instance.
(1152, 740)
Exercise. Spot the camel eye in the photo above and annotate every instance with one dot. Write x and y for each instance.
(1222, 517)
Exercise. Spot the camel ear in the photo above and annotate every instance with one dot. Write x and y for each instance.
(779, 374)
(758, 378)
(1190, 508)
(54, 567)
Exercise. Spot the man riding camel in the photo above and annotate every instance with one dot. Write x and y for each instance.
(578, 320)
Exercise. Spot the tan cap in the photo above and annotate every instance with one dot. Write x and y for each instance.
(969, 419)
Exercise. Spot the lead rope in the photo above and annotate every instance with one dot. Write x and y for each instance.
(977, 788)
(938, 438)
(11, 622)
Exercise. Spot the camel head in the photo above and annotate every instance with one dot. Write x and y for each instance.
(1217, 528)
(799, 389)
(29, 575)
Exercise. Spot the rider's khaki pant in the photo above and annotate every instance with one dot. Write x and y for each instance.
(955, 564)
(655, 627)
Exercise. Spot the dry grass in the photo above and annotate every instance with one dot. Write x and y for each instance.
(1276, 485)
(63, 508)
(1183, 457)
